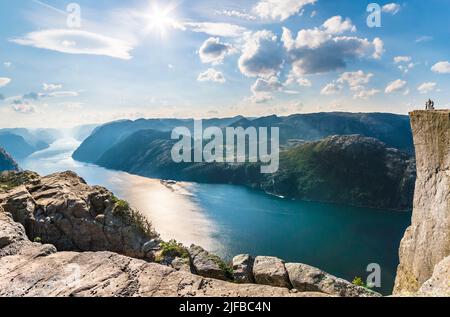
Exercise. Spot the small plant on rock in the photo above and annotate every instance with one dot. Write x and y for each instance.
(132, 217)
(359, 282)
(174, 249)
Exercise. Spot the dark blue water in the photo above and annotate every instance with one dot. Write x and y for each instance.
(339, 239)
(230, 220)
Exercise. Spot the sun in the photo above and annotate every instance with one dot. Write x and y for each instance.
(160, 19)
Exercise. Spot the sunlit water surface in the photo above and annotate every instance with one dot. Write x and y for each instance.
(229, 220)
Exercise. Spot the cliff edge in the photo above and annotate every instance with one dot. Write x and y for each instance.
(425, 248)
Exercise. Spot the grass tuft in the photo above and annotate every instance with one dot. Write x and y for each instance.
(132, 217)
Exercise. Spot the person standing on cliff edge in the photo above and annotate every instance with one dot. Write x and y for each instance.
(429, 105)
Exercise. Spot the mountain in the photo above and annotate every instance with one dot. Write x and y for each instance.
(16, 145)
(392, 129)
(7, 163)
(107, 135)
(20, 142)
(353, 169)
(38, 138)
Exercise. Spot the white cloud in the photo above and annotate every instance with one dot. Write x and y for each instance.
(336, 25)
(270, 85)
(331, 89)
(402, 59)
(366, 94)
(424, 38)
(260, 98)
(4, 81)
(261, 55)
(50, 87)
(392, 8)
(213, 51)
(405, 63)
(406, 68)
(379, 48)
(280, 9)
(7, 64)
(60, 94)
(24, 108)
(304, 82)
(236, 14)
(72, 105)
(295, 78)
(211, 75)
(216, 29)
(313, 14)
(263, 89)
(441, 67)
(316, 51)
(426, 87)
(355, 80)
(77, 42)
(395, 86)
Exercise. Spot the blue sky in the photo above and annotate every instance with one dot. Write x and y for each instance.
(189, 58)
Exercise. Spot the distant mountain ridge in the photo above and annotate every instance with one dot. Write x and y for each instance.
(21, 143)
(7, 163)
(109, 134)
(392, 129)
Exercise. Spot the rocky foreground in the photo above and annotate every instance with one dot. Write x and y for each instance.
(62, 237)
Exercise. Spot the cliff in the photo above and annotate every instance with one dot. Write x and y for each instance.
(62, 237)
(425, 248)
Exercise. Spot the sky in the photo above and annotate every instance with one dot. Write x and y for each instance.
(65, 63)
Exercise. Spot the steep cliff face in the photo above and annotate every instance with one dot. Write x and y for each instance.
(427, 242)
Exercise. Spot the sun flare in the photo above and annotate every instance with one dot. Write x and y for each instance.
(161, 19)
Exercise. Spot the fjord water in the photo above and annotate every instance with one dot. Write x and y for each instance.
(230, 220)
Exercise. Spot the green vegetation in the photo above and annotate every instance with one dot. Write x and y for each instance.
(121, 205)
(359, 282)
(37, 240)
(224, 266)
(9, 180)
(132, 217)
(173, 249)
